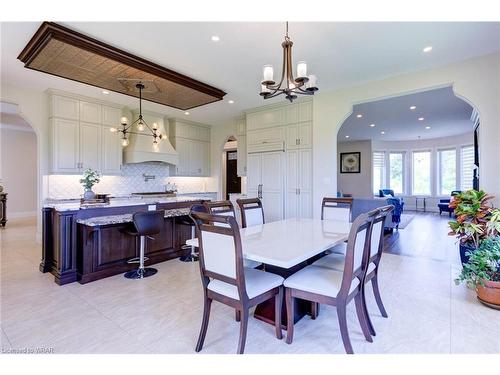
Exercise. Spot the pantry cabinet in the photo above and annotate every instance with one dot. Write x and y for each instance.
(81, 136)
(299, 183)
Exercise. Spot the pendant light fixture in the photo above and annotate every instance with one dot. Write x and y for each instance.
(141, 126)
(302, 85)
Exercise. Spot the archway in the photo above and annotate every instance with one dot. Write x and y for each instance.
(19, 163)
(393, 134)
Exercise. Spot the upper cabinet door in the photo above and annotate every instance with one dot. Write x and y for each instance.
(90, 112)
(183, 149)
(305, 111)
(205, 162)
(63, 107)
(111, 116)
(292, 137)
(305, 135)
(111, 156)
(90, 146)
(65, 146)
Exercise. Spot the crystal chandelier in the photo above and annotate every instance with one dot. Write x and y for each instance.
(290, 87)
(141, 126)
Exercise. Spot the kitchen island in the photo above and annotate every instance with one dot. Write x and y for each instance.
(88, 242)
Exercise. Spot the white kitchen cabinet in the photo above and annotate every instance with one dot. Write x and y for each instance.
(111, 116)
(90, 146)
(265, 178)
(182, 146)
(242, 156)
(65, 108)
(90, 112)
(241, 127)
(299, 135)
(272, 139)
(65, 146)
(299, 183)
(111, 152)
(305, 111)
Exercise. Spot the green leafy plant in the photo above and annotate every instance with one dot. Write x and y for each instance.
(484, 264)
(475, 217)
(89, 178)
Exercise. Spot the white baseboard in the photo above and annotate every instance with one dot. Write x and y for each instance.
(21, 215)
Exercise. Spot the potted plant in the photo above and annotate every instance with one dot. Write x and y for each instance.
(482, 272)
(473, 214)
(89, 179)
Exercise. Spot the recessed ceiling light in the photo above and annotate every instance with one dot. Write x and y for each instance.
(347, 136)
(230, 101)
(186, 113)
(215, 38)
(382, 132)
(413, 108)
(105, 92)
(427, 127)
(359, 116)
(421, 119)
(427, 49)
(372, 125)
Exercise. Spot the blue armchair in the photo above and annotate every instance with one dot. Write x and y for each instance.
(398, 204)
(385, 192)
(444, 204)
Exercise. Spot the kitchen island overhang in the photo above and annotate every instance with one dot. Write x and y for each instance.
(87, 244)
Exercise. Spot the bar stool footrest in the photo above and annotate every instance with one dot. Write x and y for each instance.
(136, 260)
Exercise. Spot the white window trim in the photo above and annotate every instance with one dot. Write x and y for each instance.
(388, 169)
(439, 171)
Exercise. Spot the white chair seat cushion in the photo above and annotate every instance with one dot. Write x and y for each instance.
(247, 263)
(257, 282)
(319, 280)
(336, 262)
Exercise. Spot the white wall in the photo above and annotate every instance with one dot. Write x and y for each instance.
(19, 171)
(477, 81)
(357, 184)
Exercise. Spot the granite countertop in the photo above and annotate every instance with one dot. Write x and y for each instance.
(126, 218)
(74, 205)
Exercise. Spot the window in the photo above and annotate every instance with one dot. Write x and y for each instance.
(378, 171)
(421, 173)
(447, 171)
(396, 171)
(466, 167)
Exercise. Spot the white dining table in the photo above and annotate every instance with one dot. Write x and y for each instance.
(286, 243)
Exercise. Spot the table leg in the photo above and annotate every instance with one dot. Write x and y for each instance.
(265, 310)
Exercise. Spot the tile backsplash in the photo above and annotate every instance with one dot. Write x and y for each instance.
(130, 181)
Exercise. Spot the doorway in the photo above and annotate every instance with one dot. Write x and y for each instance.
(233, 182)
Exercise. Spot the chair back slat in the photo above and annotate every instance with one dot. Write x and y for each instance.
(357, 252)
(336, 209)
(377, 241)
(252, 212)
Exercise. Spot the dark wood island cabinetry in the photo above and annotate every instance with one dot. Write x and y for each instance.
(87, 244)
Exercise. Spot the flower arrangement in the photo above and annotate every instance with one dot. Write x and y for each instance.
(90, 178)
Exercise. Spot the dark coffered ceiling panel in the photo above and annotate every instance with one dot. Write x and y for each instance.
(57, 50)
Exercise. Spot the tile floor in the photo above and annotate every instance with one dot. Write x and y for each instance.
(162, 314)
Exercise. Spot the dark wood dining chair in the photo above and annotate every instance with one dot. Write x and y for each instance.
(224, 208)
(225, 279)
(336, 209)
(336, 288)
(252, 212)
(336, 261)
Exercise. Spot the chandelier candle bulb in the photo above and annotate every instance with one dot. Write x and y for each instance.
(124, 120)
(301, 70)
(311, 84)
(113, 130)
(155, 126)
(268, 74)
(124, 142)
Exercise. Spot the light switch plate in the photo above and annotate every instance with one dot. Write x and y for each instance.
(152, 207)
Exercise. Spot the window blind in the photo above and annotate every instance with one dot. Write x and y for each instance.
(466, 167)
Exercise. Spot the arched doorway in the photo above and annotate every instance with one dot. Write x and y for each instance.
(231, 182)
(419, 144)
(19, 164)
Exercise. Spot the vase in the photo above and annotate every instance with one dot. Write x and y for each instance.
(489, 293)
(463, 249)
(88, 194)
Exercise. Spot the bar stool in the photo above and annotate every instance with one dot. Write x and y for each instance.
(186, 220)
(146, 224)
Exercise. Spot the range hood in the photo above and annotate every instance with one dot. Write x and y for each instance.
(140, 149)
